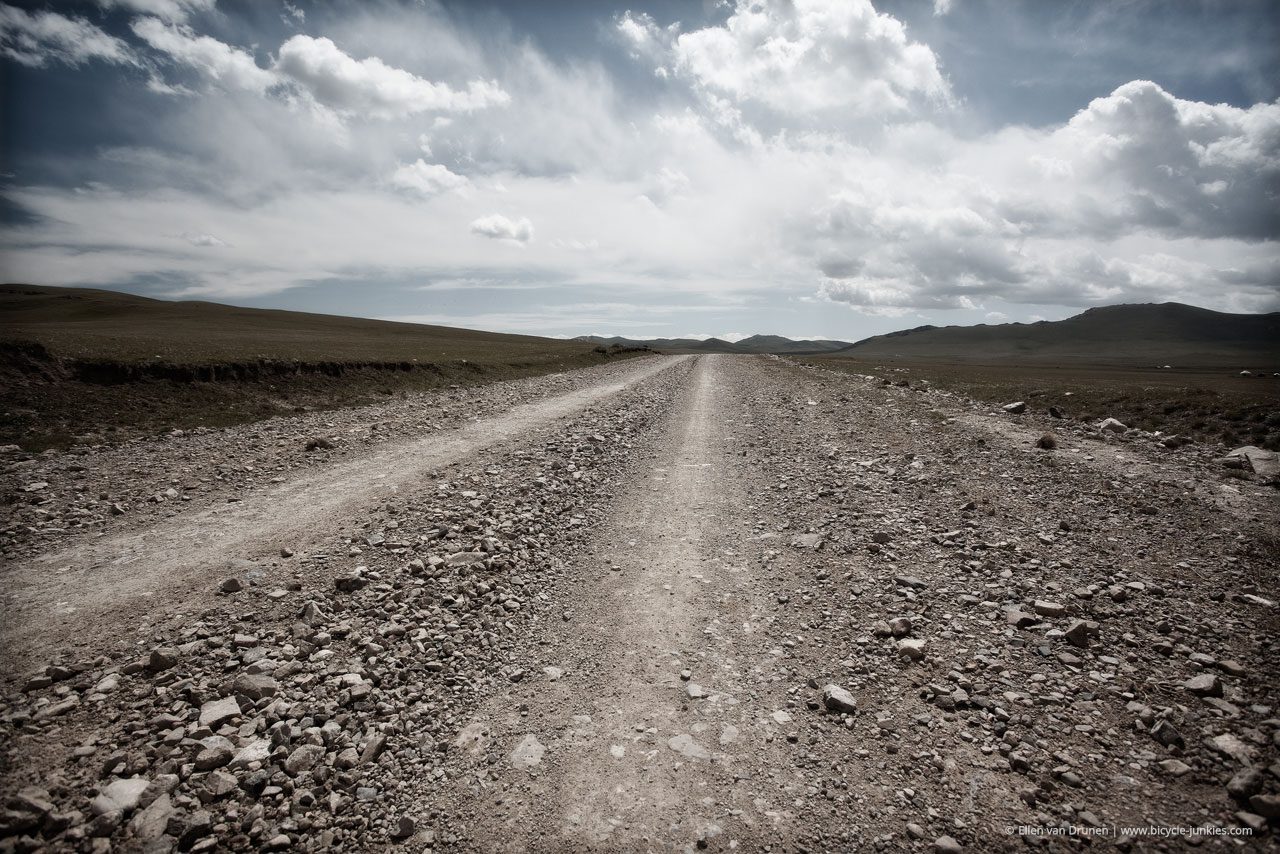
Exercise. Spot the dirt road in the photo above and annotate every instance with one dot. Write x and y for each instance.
(716, 603)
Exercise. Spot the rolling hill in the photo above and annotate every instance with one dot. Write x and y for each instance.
(1140, 334)
(775, 344)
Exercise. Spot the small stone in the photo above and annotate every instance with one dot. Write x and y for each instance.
(528, 752)
(303, 758)
(162, 658)
(1047, 442)
(405, 827)
(911, 648)
(1175, 767)
(1266, 805)
(1204, 685)
(231, 585)
(1078, 634)
(1111, 425)
(255, 686)
(1046, 608)
(212, 757)
(695, 691)
(1015, 408)
(947, 845)
(900, 627)
(1245, 784)
(349, 583)
(1165, 733)
(125, 793)
(215, 713)
(838, 700)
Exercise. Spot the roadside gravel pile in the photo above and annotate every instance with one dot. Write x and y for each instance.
(58, 495)
(293, 716)
(1014, 636)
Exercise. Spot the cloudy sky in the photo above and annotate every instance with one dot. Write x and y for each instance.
(817, 168)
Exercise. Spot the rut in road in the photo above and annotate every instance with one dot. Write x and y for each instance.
(647, 759)
(98, 583)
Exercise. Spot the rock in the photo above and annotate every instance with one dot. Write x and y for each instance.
(694, 691)
(255, 686)
(350, 583)
(303, 758)
(1245, 784)
(1015, 408)
(231, 585)
(1165, 733)
(900, 627)
(318, 443)
(807, 541)
(1253, 821)
(215, 713)
(528, 752)
(126, 793)
(837, 699)
(686, 746)
(1111, 425)
(1047, 442)
(1046, 608)
(258, 750)
(1055, 412)
(1019, 618)
(1078, 634)
(192, 828)
(911, 648)
(947, 845)
(1265, 464)
(1175, 767)
(162, 658)
(1266, 805)
(1204, 685)
(405, 827)
(150, 824)
(1232, 747)
(212, 757)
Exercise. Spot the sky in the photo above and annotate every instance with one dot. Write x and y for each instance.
(810, 168)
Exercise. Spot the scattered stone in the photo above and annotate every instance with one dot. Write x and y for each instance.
(231, 585)
(1047, 442)
(1015, 408)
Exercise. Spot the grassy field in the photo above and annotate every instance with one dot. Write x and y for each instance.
(90, 365)
(1213, 405)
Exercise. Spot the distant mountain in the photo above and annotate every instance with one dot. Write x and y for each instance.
(755, 344)
(1149, 333)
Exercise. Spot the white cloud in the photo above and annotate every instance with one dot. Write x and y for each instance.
(800, 56)
(220, 62)
(37, 38)
(499, 227)
(170, 10)
(942, 7)
(370, 86)
(428, 178)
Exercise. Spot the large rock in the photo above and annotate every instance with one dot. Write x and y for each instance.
(303, 758)
(1265, 464)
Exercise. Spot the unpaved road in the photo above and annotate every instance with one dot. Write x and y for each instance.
(97, 584)
(609, 621)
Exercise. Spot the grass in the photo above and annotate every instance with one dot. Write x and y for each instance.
(1211, 405)
(79, 365)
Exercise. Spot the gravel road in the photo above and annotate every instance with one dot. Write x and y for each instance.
(676, 604)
